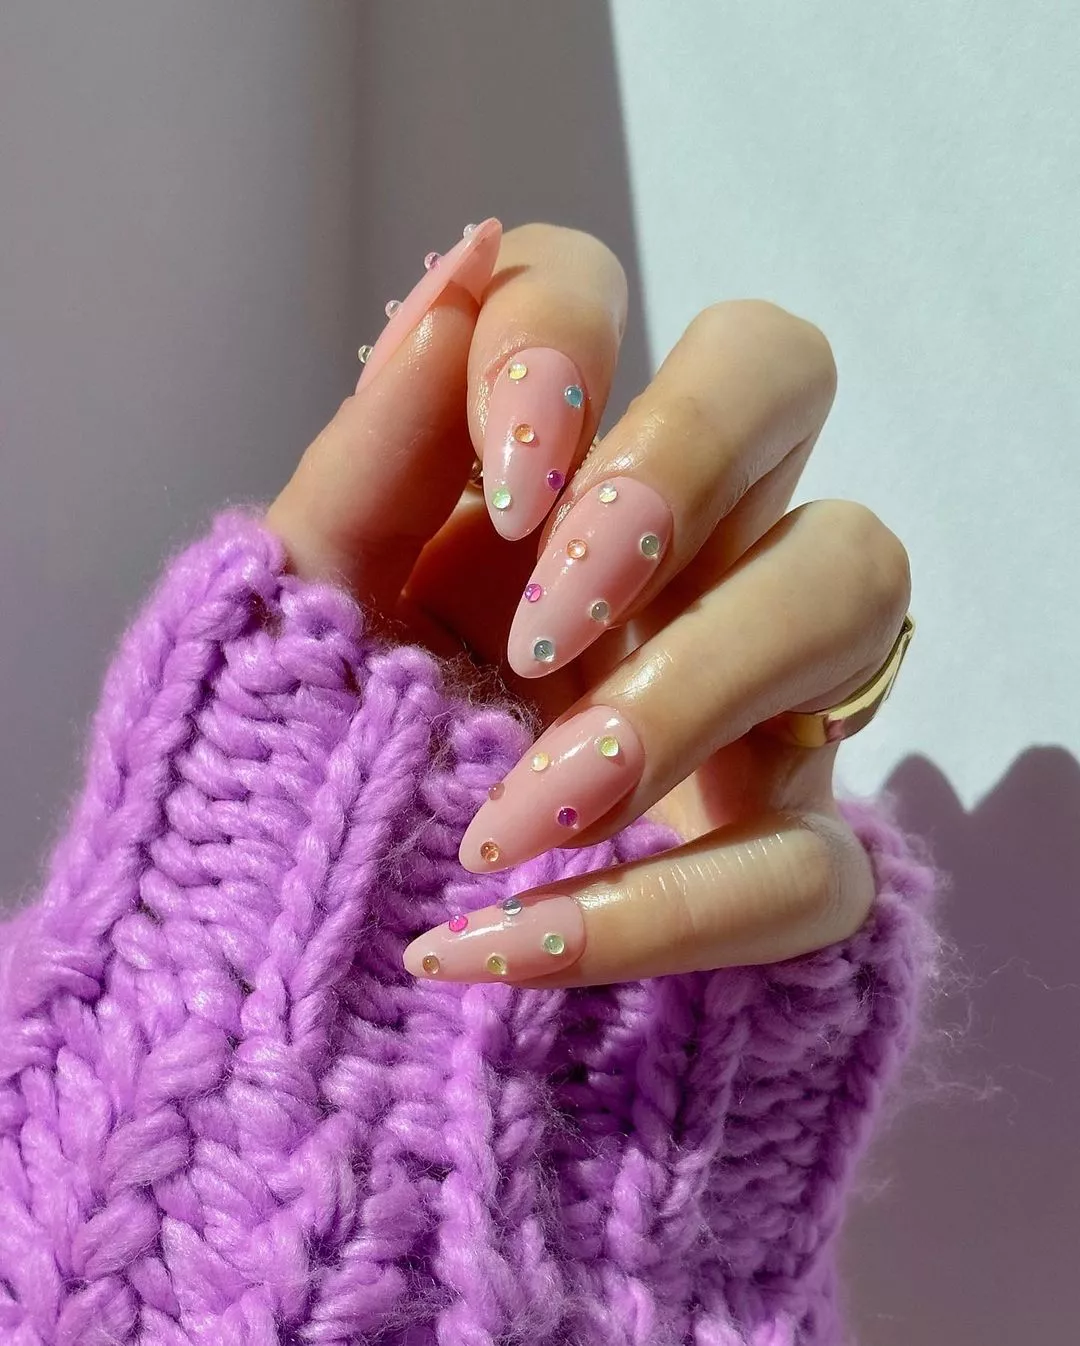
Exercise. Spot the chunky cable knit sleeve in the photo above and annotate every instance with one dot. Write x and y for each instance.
(228, 1116)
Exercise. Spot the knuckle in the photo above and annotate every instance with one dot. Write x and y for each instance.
(759, 321)
(835, 884)
(869, 550)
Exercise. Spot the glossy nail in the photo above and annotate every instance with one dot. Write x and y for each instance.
(571, 777)
(597, 561)
(468, 264)
(533, 427)
(518, 940)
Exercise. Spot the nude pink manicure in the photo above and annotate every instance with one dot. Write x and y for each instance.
(533, 427)
(597, 561)
(468, 264)
(518, 940)
(572, 776)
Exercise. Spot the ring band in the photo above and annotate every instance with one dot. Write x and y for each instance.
(816, 728)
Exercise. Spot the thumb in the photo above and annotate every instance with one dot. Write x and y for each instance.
(385, 474)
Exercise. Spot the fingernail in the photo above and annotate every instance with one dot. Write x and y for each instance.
(468, 264)
(571, 777)
(533, 427)
(518, 940)
(597, 561)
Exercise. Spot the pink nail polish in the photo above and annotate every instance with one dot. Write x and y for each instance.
(468, 264)
(572, 775)
(597, 562)
(533, 427)
(518, 940)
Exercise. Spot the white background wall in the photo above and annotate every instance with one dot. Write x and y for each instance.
(202, 208)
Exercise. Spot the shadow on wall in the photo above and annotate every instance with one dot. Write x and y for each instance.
(493, 109)
(972, 1237)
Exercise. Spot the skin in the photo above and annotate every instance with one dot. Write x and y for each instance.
(795, 609)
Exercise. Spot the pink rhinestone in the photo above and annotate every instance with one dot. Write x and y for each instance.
(432, 259)
(497, 790)
(555, 480)
(566, 816)
(458, 923)
(533, 593)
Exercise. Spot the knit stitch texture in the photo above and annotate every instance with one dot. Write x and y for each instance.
(228, 1116)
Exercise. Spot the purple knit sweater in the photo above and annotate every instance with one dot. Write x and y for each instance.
(228, 1116)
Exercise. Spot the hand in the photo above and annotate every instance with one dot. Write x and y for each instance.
(675, 606)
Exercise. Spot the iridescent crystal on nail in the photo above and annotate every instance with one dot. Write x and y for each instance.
(567, 816)
(489, 852)
(392, 306)
(496, 964)
(501, 498)
(574, 395)
(533, 593)
(512, 906)
(363, 354)
(555, 479)
(457, 924)
(600, 611)
(468, 230)
(543, 650)
(517, 371)
(577, 549)
(607, 493)
(497, 790)
(432, 259)
(650, 545)
(554, 943)
(524, 433)
(430, 964)
(608, 746)
(540, 761)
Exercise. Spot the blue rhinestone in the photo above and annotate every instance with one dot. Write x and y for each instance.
(574, 395)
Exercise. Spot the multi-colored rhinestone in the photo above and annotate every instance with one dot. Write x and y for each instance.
(496, 964)
(577, 549)
(432, 259)
(540, 761)
(496, 791)
(555, 479)
(607, 493)
(430, 964)
(501, 498)
(554, 943)
(524, 433)
(544, 650)
(364, 354)
(489, 852)
(392, 306)
(607, 746)
(574, 395)
(567, 816)
(518, 369)
(512, 906)
(533, 593)
(456, 924)
(600, 611)
(650, 545)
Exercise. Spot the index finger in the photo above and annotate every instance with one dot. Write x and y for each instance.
(540, 370)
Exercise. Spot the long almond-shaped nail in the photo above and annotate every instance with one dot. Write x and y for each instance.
(571, 777)
(597, 561)
(533, 427)
(469, 263)
(519, 940)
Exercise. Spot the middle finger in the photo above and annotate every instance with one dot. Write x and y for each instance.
(747, 385)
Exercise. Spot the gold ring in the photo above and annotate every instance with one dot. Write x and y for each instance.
(816, 728)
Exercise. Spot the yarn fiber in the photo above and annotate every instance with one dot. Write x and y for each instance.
(228, 1116)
